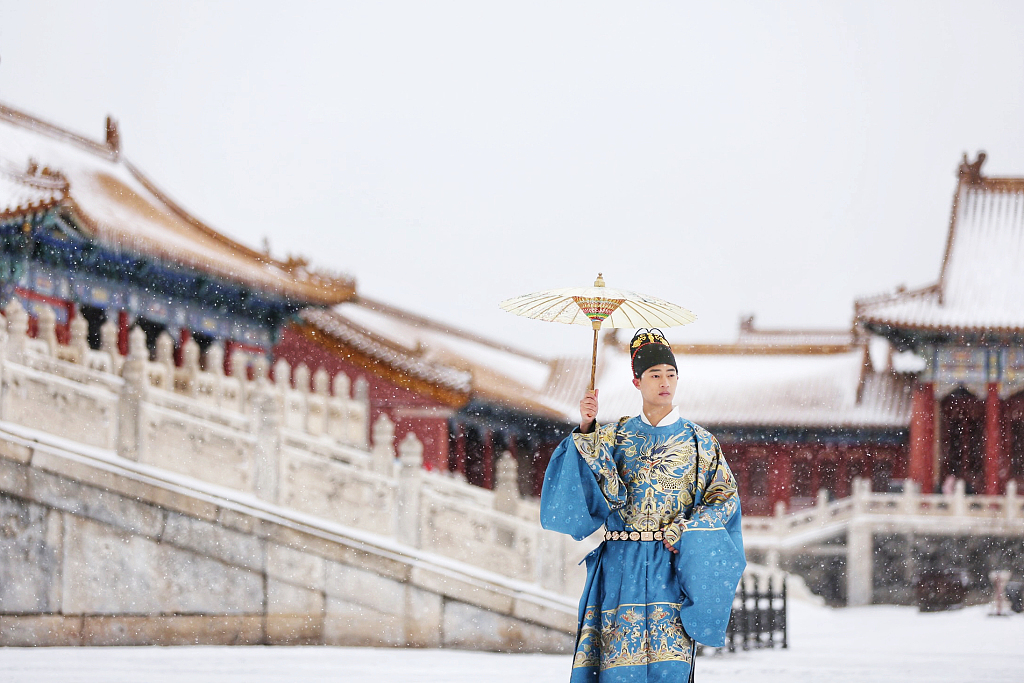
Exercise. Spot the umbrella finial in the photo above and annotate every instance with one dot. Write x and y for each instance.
(599, 282)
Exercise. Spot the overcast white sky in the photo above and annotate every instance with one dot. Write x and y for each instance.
(780, 159)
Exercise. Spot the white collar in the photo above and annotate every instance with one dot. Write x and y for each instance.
(663, 422)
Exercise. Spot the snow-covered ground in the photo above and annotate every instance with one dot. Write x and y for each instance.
(862, 645)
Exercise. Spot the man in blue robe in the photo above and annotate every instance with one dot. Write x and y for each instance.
(672, 555)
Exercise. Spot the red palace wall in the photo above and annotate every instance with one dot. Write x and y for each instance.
(410, 411)
(793, 473)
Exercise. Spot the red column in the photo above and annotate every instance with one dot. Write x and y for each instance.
(922, 437)
(64, 331)
(440, 429)
(185, 335)
(122, 332)
(229, 347)
(995, 470)
(780, 477)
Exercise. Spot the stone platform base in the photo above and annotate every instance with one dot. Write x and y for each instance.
(95, 550)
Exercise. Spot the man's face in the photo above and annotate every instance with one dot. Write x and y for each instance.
(658, 385)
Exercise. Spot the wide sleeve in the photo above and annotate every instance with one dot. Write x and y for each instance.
(581, 484)
(710, 562)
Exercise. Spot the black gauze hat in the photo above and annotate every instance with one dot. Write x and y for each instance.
(649, 348)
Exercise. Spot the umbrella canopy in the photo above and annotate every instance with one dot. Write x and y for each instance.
(598, 307)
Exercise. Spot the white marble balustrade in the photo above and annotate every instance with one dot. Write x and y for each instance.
(301, 440)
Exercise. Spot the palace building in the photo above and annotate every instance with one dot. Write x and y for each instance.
(468, 399)
(927, 385)
(85, 233)
(796, 412)
(967, 418)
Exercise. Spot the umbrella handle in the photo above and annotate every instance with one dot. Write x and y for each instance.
(593, 376)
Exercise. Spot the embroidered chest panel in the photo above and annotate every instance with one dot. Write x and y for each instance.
(660, 474)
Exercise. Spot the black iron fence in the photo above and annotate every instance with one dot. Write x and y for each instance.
(758, 615)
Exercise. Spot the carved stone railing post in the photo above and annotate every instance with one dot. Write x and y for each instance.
(17, 330)
(302, 378)
(821, 506)
(282, 375)
(234, 386)
(342, 386)
(959, 504)
(506, 489)
(129, 412)
(188, 375)
(339, 414)
(321, 382)
(383, 445)
(361, 390)
(48, 330)
(78, 346)
(214, 359)
(261, 370)
(214, 363)
(316, 404)
(266, 412)
(213, 366)
(239, 365)
(410, 482)
(165, 358)
(861, 494)
(108, 344)
(910, 501)
(361, 393)
(780, 517)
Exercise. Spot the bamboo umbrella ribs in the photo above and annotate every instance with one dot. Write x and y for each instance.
(599, 307)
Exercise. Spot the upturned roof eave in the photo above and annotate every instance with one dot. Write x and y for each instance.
(935, 328)
(443, 392)
(319, 289)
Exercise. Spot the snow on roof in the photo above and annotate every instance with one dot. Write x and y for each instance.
(772, 390)
(124, 209)
(435, 339)
(749, 335)
(405, 359)
(23, 192)
(981, 286)
(760, 388)
(495, 371)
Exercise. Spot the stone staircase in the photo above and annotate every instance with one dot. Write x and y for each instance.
(848, 526)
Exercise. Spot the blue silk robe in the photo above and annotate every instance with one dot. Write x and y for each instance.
(643, 606)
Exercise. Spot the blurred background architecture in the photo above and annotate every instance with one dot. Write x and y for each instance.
(200, 442)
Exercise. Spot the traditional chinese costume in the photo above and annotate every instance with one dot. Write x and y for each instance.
(643, 606)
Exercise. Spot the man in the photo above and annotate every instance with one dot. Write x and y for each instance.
(672, 555)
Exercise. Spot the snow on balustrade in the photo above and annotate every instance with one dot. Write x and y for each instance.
(335, 415)
(955, 512)
(299, 439)
(851, 526)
